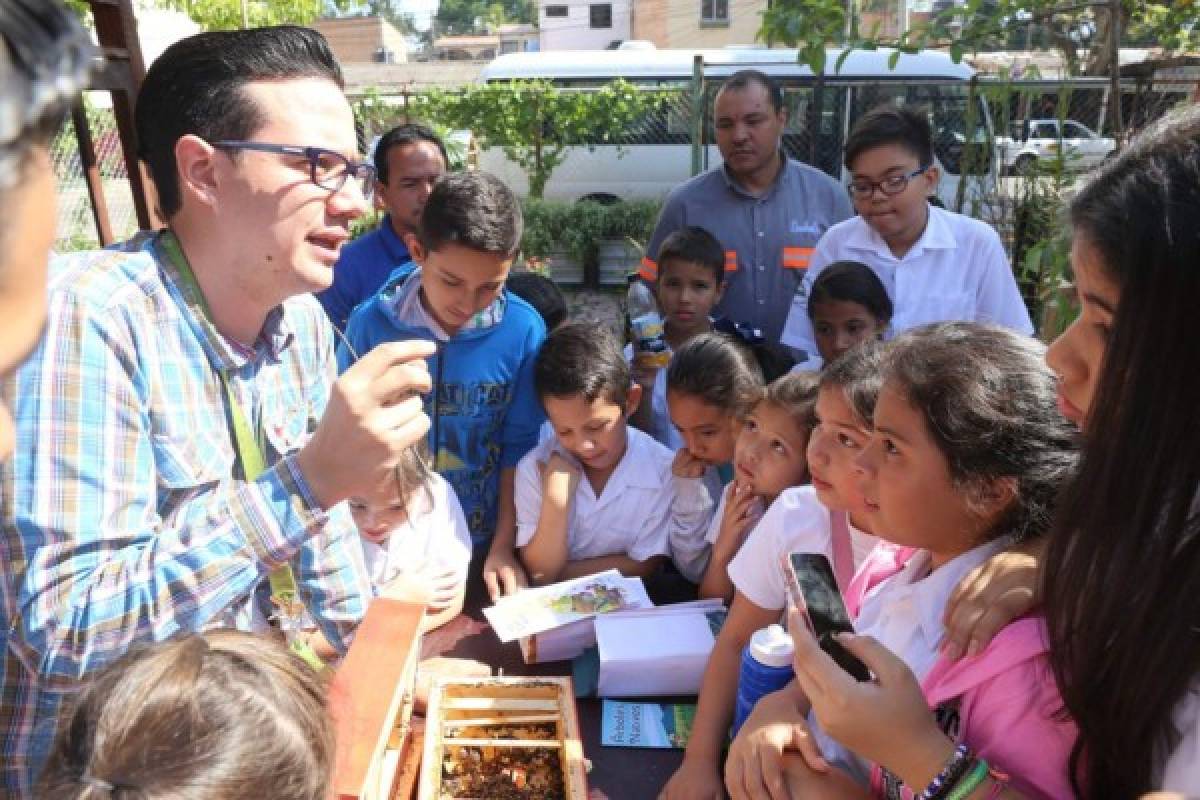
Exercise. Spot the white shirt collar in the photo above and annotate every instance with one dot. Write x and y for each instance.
(635, 469)
(929, 591)
(936, 236)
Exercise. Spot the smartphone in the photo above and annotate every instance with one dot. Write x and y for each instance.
(814, 589)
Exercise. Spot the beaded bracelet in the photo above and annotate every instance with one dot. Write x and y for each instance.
(973, 780)
(952, 772)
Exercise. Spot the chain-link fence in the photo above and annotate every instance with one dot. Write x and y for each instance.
(76, 220)
(1009, 150)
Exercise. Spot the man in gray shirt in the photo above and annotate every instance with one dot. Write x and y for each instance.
(767, 210)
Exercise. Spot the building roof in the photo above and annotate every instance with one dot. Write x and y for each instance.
(466, 41)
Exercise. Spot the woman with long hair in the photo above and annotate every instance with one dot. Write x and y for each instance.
(1121, 580)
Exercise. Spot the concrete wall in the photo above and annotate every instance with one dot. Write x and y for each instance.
(358, 39)
(677, 23)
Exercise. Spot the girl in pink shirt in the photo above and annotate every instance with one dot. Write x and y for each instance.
(966, 455)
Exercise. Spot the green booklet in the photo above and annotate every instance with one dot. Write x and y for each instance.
(660, 725)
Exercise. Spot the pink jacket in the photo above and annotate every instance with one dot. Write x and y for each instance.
(1007, 702)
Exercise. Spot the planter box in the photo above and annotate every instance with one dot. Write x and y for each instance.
(564, 270)
(617, 258)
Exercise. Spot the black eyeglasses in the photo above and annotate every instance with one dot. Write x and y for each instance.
(328, 169)
(862, 189)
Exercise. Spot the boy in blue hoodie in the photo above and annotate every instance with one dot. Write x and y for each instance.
(484, 411)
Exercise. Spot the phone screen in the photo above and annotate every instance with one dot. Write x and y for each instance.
(814, 588)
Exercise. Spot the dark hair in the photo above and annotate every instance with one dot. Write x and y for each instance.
(541, 293)
(745, 78)
(694, 244)
(195, 87)
(858, 374)
(472, 209)
(46, 59)
(990, 403)
(399, 136)
(888, 124)
(223, 714)
(1122, 574)
(795, 393)
(583, 359)
(851, 282)
(718, 371)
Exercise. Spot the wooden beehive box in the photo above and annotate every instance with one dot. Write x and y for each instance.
(508, 735)
(371, 699)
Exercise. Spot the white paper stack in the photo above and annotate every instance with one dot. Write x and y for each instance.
(657, 651)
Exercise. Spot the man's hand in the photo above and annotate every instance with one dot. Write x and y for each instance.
(502, 573)
(374, 414)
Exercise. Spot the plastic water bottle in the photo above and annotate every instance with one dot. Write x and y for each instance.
(646, 326)
(766, 668)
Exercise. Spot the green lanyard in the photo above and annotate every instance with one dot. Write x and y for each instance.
(248, 446)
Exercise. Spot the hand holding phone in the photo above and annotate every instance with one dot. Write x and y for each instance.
(814, 590)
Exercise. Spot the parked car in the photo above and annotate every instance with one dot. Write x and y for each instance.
(1081, 147)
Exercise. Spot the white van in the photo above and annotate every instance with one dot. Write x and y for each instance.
(656, 155)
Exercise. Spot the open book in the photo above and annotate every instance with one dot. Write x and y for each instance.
(533, 611)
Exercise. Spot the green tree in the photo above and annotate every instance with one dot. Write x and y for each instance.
(215, 15)
(1068, 26)
(475, 16)
(535, 122)
(400, 20)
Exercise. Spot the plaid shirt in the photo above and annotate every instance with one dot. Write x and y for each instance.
(124, 516)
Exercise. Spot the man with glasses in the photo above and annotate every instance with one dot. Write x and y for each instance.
(183, 448)
(936, 265)
(766, 210)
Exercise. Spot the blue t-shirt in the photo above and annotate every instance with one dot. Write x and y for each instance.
(484, 411)
(362, 268)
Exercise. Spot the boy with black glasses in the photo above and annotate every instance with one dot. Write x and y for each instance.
(936, 265)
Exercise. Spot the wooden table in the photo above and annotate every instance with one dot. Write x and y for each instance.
(617, 773)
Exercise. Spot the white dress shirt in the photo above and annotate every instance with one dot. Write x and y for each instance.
(1181, 770)
(642, 508)
(795, 523)
(904, 614)
(957, 271)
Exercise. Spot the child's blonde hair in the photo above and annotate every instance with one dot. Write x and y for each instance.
(413, 472)
(218, 715)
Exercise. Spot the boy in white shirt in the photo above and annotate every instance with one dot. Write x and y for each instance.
(937, 266)
(600, 494)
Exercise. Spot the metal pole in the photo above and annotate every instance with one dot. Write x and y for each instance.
(245, 15)
(1114, 44)
(697, 115)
